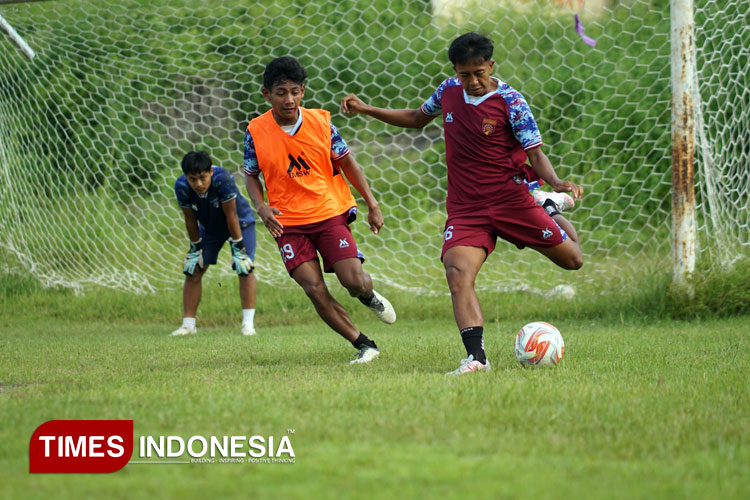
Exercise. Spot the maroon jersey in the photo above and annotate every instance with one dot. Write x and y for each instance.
(486, 139)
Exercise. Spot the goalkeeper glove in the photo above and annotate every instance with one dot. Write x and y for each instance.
(193, 258)
(241, 262)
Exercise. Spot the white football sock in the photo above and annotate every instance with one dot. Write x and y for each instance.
(247, 316)
(188, 322)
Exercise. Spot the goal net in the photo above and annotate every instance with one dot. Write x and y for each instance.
(93, 128)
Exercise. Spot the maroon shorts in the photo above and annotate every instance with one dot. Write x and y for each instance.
(332, 238)
(516, 218)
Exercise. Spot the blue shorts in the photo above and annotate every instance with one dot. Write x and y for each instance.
(213, 243)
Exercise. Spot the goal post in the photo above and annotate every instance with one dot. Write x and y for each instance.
(20, 42)
(682, 62)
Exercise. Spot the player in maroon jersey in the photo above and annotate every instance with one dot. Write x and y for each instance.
(490, 133)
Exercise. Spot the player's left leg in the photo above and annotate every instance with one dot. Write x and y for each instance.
(340, 254)
(561, 202)
(550, 200)
(310, 277)
(567, 254)
(353, 277)
(358, 283)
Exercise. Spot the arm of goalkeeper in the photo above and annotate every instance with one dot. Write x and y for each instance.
(193, 258)
(241, 261)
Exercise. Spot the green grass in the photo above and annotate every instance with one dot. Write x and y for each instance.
(640, 407)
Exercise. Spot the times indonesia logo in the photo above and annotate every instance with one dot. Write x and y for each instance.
(101, 446)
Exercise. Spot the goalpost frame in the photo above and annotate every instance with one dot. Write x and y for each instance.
(16, 38)
(683, 68)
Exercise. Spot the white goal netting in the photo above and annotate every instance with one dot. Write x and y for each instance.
(93, 128)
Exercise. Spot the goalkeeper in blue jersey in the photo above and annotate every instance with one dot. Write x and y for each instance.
(215, 212)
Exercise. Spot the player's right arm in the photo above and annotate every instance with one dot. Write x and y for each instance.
(255, 190)
(194, 257)
(191, 224)
(406, 118)
(543, 168)
(266, 213)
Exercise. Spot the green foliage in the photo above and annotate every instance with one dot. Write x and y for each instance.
(714, 293)
(18, 284)
(592, 103)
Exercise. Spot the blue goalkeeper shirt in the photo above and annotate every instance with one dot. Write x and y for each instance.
(207, 208)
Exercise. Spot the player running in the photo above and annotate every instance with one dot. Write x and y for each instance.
(214, 213)
(304, 160)
(489, 135)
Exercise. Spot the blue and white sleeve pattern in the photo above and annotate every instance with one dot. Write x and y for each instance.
(251, 159)
(182, 192)
(521, 120)
(225, 185)
(434, 104)
(339, 149)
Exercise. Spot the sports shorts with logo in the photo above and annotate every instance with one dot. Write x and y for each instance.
(332, 238)
(212, 243)
(513, 216)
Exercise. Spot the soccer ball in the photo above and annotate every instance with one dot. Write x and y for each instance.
(563, 291)
(539, 344)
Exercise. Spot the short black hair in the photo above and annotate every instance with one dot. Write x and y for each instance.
(196, 162)
(470, 47)
(283, 69)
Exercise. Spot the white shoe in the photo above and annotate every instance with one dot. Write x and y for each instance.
(563, 200)
(381, 307)
(185, 330)
(248, 329)
(365, 355)
(469, 365)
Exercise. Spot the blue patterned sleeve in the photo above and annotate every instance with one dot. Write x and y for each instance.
(181, 190)
(522, 121)
(224, 183)
(251, 159)
(339, 149)
(434, 104)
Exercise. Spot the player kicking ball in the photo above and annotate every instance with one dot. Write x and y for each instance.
(304, 162)
(214, 213)
(490, 133)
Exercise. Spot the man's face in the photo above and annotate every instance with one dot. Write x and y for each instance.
(475, 76)
(199, 182)
(285, 98)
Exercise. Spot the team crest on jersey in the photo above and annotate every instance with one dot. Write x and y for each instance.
(449, 117)
(488, 126)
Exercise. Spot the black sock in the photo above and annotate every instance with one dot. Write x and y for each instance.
(366, 300)
(473, 338)
(363, 340)
(550, 207)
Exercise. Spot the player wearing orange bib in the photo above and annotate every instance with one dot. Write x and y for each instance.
(304, 162)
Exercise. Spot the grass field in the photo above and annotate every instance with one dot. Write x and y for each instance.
(639, 408)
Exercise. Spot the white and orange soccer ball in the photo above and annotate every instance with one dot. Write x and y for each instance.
(539, 344)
